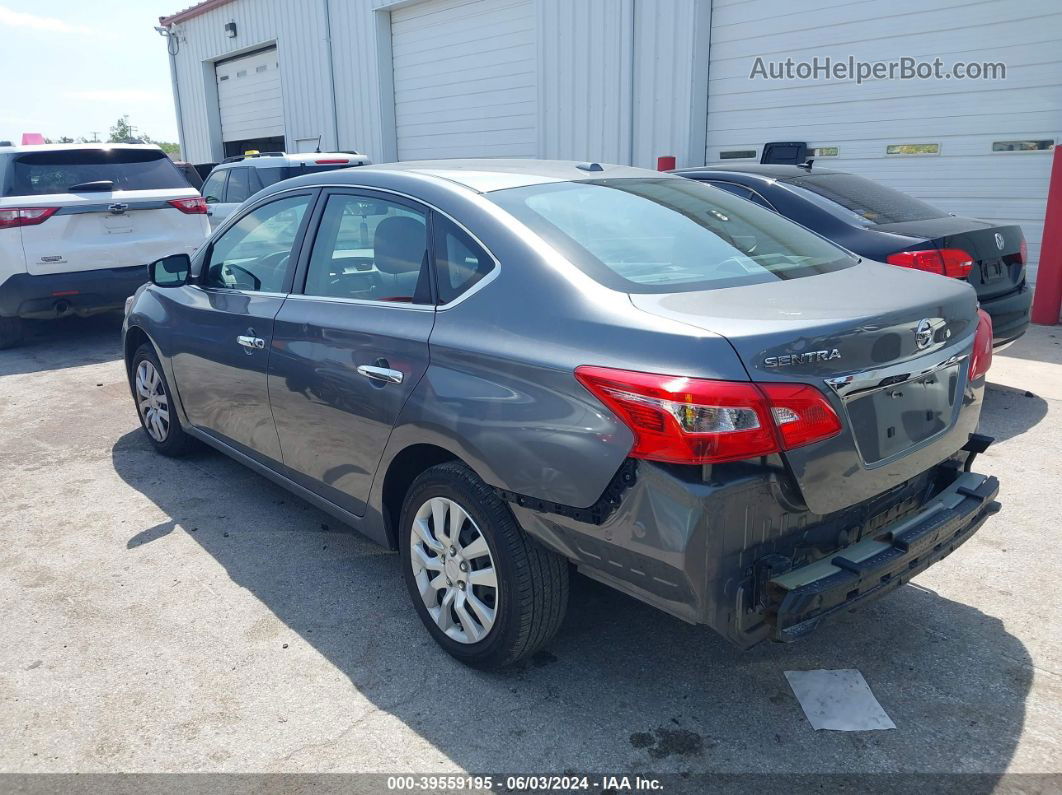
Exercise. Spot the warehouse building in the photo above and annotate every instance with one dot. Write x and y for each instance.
(628, 81)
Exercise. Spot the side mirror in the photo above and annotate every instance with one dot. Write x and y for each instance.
(211, 199)
(171, 271)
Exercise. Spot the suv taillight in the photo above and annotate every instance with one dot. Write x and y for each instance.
(953, 262)
(696, 421)
(195, 205)
(11, 217)
(981, 357)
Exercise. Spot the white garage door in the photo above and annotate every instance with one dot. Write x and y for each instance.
(249, 97)
(970, 123)
(465, 79)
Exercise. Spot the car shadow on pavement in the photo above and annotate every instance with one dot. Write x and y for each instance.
(623, 688)
(1008, 412)
(70, 342)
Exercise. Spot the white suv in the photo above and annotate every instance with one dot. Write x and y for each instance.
(80, 222)
(236, 179)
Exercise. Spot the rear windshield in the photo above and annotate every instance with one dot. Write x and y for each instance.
(40, 173)
(272, 175)
(849, 195)
(668, 235)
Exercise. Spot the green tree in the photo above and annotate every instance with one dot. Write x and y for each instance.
(122, 132)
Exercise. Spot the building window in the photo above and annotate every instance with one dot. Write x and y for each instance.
(824, 151)
(1041, 145)
(737, 154)
(912, 149)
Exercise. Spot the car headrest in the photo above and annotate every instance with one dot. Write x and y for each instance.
(399, 244)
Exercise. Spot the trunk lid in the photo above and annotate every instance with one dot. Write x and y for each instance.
(118, 229)
(996, 250)
(851, 334)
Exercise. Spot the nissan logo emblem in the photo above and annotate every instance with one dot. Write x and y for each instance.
(923, 333)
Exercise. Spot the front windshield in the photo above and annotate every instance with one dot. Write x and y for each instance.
(668, 235)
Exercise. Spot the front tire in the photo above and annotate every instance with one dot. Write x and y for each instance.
(158, 416)
(488, 593)
(10, 332)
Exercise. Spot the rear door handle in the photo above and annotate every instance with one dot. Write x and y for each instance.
(380, 373)
(251, 343)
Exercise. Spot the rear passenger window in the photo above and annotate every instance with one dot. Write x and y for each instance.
(239, 185)
(460, 262)
(372, 250)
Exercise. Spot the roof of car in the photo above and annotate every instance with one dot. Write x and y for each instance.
(274, 159)
(770, 171)
(486, 175)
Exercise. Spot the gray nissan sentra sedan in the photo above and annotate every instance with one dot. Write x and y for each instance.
(507, 369)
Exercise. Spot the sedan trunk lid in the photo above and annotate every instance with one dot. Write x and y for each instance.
(892, 361)
(996, 250)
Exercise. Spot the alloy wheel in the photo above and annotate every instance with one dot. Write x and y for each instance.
(152, 401)
(454, 570)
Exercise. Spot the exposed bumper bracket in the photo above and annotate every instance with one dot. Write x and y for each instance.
(800, 598)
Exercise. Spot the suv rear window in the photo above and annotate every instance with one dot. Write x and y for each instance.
(57, 171)
(870, 202)
(668, 235)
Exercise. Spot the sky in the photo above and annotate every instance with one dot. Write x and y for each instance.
(72, 67)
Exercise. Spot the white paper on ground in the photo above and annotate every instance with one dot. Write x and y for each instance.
(840, 700)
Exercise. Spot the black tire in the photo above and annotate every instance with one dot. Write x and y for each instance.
(532, 580)
(10, 332)
(176, 442)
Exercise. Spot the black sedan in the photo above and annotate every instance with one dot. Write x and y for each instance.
(883, 224)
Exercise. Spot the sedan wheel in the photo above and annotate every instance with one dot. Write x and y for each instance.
(488, 593)
(454, 570)
(152, 401)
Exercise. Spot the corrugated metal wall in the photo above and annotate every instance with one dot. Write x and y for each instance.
(618, 80)
(963, 116)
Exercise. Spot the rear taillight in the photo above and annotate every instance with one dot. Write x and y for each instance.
(1023, 252)
(953, 262)
(981, 357)
(327, 162)
(696, 421)
(11, 217)
(195, 205)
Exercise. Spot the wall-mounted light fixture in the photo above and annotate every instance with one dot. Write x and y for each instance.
(230, 30)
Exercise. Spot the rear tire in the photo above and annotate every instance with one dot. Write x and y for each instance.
(506, 622)
(10, 332)
(152, 396)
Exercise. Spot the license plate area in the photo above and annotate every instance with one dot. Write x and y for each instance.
(891, 420)
(992, 270)
(117, 224)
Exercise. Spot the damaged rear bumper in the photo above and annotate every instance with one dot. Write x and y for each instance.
(801, 597)
(736, 550)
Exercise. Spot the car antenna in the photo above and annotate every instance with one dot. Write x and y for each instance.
(317, 151)
(806, 165)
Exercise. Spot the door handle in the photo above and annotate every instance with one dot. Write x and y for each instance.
(251, 343)
(380, 373)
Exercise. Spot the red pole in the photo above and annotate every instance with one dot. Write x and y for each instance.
(1047, 299)
(665, 163)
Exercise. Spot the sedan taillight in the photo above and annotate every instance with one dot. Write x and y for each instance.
(11, 217)
(981, 357)
(697, 421)
(195, 205)
(953, 262)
